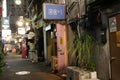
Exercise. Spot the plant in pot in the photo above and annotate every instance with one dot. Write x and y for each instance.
(82, 52)
(83, 47)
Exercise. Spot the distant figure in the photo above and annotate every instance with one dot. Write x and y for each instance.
(23, 48)
(3, 45)
(27, 50)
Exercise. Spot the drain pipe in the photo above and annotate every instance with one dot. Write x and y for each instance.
(45, 44)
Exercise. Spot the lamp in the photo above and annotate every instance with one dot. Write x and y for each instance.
(18, 2)
(20, 23)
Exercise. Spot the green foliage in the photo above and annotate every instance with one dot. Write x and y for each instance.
(83, 47)
(91, 66)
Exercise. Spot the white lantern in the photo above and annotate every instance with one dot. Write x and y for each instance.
(18, 2)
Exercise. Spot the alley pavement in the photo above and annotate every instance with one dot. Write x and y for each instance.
(17, 68)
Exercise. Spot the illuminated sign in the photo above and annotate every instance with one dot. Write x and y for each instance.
(5, 20)
(21, 31)
(53, 11)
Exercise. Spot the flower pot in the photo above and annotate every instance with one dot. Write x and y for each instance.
(75, 73)
(93, 75)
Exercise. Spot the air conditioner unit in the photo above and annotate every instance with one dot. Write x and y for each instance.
(54, 63)
(73, 73)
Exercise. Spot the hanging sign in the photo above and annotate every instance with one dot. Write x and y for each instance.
(53, 11)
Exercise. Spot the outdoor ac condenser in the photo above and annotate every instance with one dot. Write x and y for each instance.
(54, 63)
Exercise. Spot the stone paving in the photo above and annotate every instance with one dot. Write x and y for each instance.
(15, 65)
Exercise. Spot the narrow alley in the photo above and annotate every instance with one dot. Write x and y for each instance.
(17, 68)
(59, 39)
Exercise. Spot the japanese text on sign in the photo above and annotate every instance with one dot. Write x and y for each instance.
(53, 11)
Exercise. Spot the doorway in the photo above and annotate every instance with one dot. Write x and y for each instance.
(114, 36)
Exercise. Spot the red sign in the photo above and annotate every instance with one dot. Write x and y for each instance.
(0, 11)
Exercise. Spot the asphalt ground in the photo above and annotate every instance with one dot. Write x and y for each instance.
(17, 68)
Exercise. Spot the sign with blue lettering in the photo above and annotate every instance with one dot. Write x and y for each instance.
(53, 11)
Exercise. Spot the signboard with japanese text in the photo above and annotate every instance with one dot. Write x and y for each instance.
(112, 24)
(5, 21)
(53, 11)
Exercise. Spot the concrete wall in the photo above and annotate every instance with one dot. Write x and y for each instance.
(101, 52)
(70, 37)
(103, 57)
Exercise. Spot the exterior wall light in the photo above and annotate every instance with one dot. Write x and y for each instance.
(18, 2)
(26, 23)
(20, 23)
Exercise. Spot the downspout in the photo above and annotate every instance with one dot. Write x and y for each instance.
(85, 2)
(45, 43)
(83, 15)
(79, 15)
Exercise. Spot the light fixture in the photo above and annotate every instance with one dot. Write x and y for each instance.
(20, 23)
(18, 2)
(26, 23)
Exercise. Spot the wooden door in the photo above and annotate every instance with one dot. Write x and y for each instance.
(114, 27)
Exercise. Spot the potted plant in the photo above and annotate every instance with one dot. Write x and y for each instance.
(82, 52)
